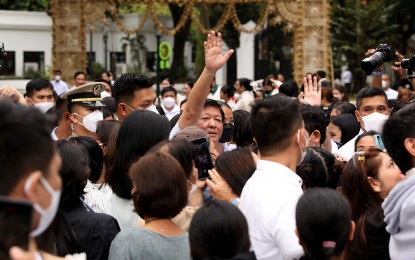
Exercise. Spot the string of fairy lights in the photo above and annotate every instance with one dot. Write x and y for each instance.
(190, 11)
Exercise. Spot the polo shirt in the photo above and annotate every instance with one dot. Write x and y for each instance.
(268, 202)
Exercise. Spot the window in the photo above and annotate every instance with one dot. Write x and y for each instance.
(33, 61)
(90, 56)
(118, 63)
(8, 64)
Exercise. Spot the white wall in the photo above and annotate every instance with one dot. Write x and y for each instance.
(32, 31)
(26, 31)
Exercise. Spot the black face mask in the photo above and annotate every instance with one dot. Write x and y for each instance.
(339, 145)
(227, 133)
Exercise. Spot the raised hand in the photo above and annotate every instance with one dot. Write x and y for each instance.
(13, 94)
(312, 92)
(397, 68)
(214, 60)
(219, 188)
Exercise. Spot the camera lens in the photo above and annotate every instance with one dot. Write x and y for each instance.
(372, 62)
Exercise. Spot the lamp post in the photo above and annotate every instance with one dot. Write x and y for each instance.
(158, 36)
(91, 30)
(105, 39)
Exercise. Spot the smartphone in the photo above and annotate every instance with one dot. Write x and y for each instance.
(379, 142)
(15, 224)
(202, 158)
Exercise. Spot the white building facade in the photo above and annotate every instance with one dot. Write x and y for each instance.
(27, 38)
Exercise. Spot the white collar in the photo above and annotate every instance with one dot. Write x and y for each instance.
(279, 169)
(410, 173)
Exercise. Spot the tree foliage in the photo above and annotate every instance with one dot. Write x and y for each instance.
(27, 5)
(357, 27)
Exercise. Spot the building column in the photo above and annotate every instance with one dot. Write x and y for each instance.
(69, 38)
(312, 44)
(245, 54)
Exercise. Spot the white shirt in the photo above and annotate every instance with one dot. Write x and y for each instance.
(348, 149)
(410, 173)
(232, 147)
(334, 148)
(391, 94)
(53, 135)
(232, 104)
(247, 97)
(95, 198)
(347, 77)
(171, 114)
(123, 211)
(268, 202)
(174, 131)
(216, 95)
(59, 86)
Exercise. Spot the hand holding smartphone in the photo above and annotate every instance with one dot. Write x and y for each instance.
(202, 158)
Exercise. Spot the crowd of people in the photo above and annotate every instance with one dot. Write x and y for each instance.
(113, 171)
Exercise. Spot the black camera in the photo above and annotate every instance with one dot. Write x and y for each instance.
(409, 64)
(383, 53)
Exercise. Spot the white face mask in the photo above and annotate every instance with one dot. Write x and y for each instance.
(153, 109)
(58, 77)
(105, 94)
(44, 106)
(90, 121)
(374, 121)
(385, 84)
(303, 153)
(46, 215)
(237, 96)
(169, 102)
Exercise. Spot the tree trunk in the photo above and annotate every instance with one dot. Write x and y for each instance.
(179, 42)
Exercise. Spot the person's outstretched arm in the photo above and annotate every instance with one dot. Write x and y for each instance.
(214, 61)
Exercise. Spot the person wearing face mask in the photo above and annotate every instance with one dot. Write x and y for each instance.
(343, 128)
(108, 88)
(168, 82)
(269, 197)
(30, 171)
(314, 123)
(40, 94)
(372, 112)
(169, 96)
(133, 91)
(59, 85)
(84, 107)
(207, 114)
(228, 127)
(386, 85)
